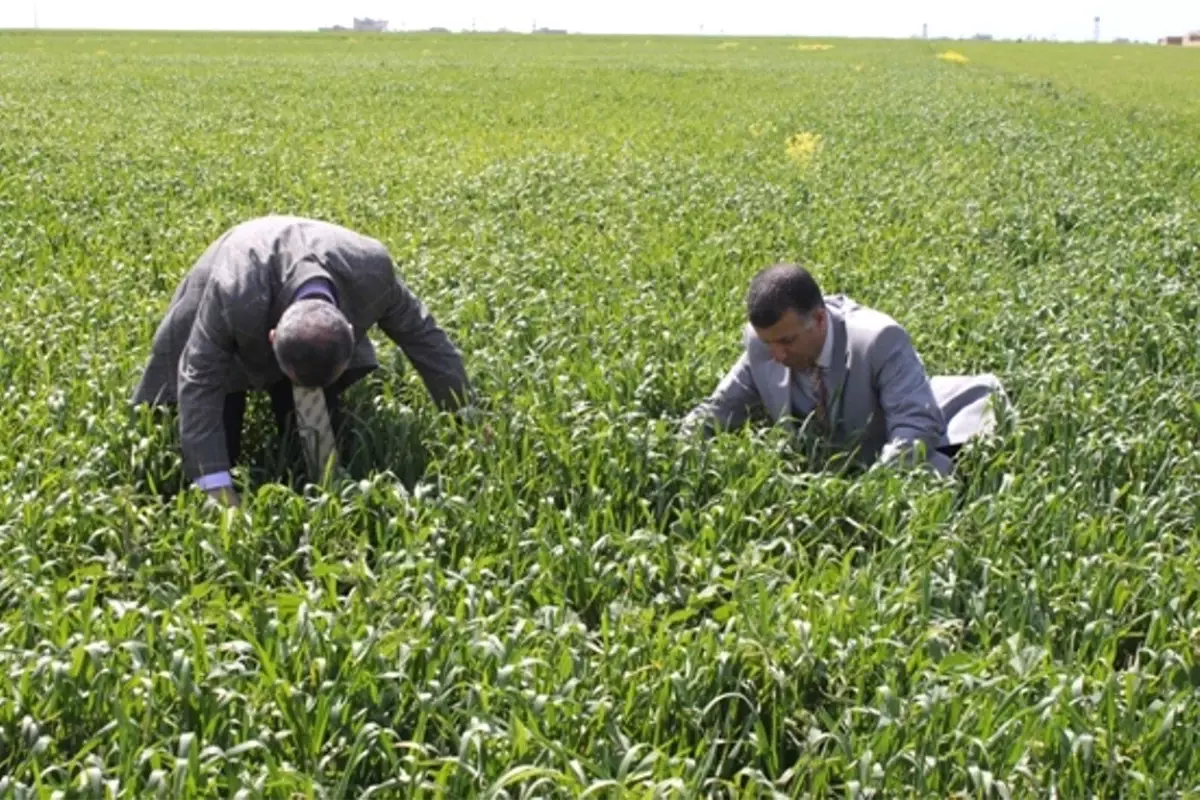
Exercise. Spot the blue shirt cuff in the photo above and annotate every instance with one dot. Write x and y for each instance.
(215, 480)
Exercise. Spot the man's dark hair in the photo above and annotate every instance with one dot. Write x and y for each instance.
(777, 288)
(313, 340)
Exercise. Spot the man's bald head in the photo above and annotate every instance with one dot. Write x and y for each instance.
(313, 343)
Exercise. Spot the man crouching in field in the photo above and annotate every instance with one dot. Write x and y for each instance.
(283, 305)
(849, 372)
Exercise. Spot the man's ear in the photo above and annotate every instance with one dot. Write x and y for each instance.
(271, 336)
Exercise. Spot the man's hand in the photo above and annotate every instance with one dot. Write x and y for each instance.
(225, 496)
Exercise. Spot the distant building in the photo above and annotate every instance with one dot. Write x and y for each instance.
(549, 30)
(1190, 39)
(369, 24)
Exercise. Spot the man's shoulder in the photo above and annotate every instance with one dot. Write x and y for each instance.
(756, 349)
(244, 248)
(356, 256)
(863, 323)
(260, 230)
(296, 233)
(358, 263)
(344, 237)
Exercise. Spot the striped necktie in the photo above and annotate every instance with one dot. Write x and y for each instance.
(316, 431)
(822, 396)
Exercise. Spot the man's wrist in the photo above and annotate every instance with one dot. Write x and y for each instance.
(215, 480)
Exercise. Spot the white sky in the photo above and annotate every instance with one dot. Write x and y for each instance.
(1065, 20)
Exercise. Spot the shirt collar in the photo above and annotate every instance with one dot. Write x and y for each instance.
(826, 357)
(317, 287)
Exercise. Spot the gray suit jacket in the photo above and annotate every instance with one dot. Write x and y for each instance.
(213, 339)
(881, 401)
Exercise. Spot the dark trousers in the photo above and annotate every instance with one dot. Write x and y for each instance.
(950, 451)
(284, 407)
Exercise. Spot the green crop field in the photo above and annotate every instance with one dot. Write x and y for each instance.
(588, 604)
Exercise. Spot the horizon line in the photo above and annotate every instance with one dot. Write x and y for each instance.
(440, 30)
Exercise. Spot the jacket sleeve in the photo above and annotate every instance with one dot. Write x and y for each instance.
(203, 372)
(409, 324)
(730, 404)
(911, 413)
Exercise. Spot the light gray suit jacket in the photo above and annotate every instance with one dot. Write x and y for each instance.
(213, 339)
(881, 401)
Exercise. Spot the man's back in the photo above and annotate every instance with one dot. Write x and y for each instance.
(253, 271)
(215, 338)
(280, 242)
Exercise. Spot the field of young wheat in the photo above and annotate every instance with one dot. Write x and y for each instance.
(585, 603)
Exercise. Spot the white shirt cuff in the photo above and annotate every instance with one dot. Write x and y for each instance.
(215, 480)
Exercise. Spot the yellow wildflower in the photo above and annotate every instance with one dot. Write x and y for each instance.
(802, 146)
(953, 57)
(727, 45)
(812, 47)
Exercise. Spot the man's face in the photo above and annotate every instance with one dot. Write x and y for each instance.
(794, 341)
